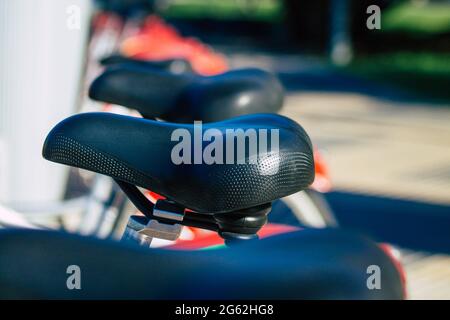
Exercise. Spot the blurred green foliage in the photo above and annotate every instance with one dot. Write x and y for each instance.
(420, 17)
(426, 74)
(257, 10)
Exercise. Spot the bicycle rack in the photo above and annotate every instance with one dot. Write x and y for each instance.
(165, 219)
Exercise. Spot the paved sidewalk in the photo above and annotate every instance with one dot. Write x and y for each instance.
(375, 141)
(390, 149)
(374, 146)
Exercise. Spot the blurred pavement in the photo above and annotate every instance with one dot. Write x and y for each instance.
(388, 149)
(389, 159)
(375, 138)
(379, 147)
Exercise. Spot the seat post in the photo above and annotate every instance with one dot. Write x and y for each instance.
(166, 219)
(242, 225)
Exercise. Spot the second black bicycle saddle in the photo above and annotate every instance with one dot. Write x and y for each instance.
(160, 94)
(175, 66)
(308, 264)
(218, 167)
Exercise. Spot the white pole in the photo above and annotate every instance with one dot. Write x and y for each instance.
(41, 59)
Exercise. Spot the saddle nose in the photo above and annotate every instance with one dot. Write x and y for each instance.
(212, 168)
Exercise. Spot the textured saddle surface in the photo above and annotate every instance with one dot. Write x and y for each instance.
(248, 161)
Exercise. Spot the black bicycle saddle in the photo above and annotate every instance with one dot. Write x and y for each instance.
(308, 264)
(175, 66)
(156, 93)
(149, 154)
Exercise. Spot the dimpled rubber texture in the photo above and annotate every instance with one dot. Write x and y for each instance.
(68, 151)
(138, 151)
(239, 185)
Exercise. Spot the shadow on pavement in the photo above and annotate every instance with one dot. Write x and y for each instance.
(410, 224)
(328, 80)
